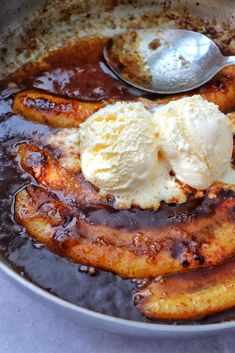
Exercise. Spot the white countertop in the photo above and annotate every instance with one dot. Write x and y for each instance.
(28, 327)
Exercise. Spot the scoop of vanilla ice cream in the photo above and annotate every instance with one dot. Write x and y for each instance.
(119, 154)
(118, 146)
(197, 141)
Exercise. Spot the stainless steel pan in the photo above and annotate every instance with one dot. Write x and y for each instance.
(28, 29)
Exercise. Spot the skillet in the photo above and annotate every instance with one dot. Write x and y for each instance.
(103, 300)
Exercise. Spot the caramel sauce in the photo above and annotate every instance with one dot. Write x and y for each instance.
(76, 71)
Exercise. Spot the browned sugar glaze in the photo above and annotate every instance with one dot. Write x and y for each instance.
(76, 71)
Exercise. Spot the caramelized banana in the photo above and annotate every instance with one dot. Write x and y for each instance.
(52, 110)
(61, 112)
(190, 243)
(189, 295)
(50, 222)
(195, 240)
(45, 168)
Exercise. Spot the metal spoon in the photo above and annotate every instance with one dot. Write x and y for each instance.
(164, 61)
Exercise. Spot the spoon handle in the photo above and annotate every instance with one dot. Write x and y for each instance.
(229, 60)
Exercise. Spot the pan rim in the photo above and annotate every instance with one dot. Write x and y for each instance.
(132, 324)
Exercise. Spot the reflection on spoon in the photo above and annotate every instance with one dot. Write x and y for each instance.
(164, 61)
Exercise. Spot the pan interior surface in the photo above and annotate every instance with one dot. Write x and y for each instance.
(30, 30)
(47, 28)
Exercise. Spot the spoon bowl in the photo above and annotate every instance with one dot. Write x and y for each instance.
(164, 61)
